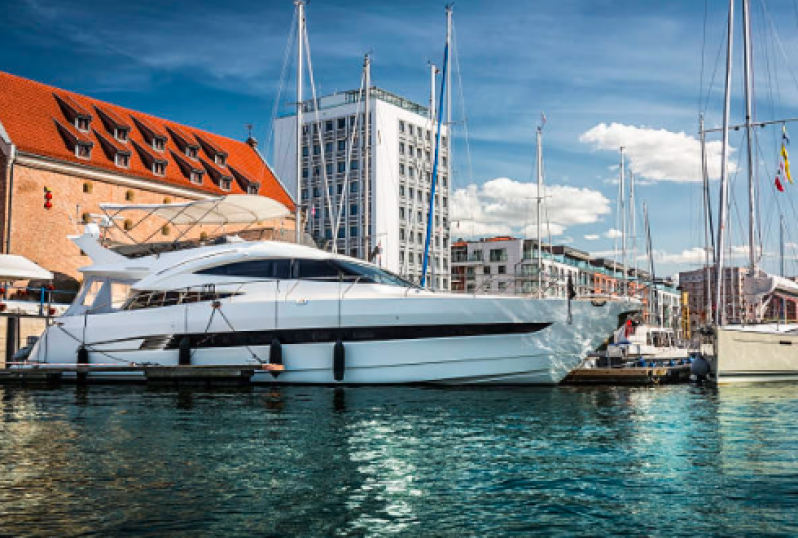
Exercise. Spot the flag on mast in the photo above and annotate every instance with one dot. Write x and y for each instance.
(785, 164)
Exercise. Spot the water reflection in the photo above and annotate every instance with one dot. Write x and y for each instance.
(320, 461)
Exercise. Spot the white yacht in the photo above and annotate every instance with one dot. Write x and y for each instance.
(302, 315)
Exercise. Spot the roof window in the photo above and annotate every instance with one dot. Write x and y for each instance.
(82, 123)
(82, 150)
(122, 160)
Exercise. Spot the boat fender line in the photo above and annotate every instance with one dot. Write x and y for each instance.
(571, 297)
(83, 355)
(275, 358)
(184, 351)
(339, 360)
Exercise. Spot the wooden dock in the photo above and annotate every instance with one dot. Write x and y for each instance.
(234, 375)
(644, 376)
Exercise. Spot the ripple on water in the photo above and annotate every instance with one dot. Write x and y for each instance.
(398, 460)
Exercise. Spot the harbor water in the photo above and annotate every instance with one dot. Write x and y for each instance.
(679, 460)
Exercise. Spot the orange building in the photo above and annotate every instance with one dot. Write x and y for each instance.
(84, 152)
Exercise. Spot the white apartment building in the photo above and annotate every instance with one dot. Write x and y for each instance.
(401, 150)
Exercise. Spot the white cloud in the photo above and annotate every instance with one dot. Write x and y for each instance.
(658, 154)
(505, 206)
(612, 234)
(592, 237)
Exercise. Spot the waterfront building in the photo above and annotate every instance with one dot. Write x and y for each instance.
(399, 152)
(509, 265)
(777, 305)
(62, 154)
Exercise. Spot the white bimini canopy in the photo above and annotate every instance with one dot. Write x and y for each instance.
(13, 267)
(232, 209)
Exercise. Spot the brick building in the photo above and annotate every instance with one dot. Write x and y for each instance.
(87, 152)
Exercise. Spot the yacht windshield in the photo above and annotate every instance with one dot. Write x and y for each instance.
(370, 273)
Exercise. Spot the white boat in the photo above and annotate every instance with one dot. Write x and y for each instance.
(750, 351)
(277, 305)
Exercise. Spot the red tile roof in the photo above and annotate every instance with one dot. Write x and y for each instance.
(30, 112)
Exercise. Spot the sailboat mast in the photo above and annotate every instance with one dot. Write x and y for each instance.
(449, 8)
(539, 142)
(623, 224)
(720, 311)
(749, 142)
(300, 33)
(431, 112)
(707, 218)
(633, 218)
(366, 148)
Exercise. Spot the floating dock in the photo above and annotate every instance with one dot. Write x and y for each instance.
(645, 376)
(168, 375)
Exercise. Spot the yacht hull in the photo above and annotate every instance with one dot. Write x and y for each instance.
(755, 354)
(453, 340)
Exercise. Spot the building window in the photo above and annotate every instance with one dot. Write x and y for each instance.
(353, 231)
(225, 184)
(196, 177)
(412, 172)
(401, 169)
(82, 124)
(401, 190)
(341, 167)
(120, 134)
(304, 194)
(486, 270)
(502, 286)
(304, 151)
(354, 164)
(411, 258)
(165, 229)
(420, 240)
(127, 225)
(342, 123)
(401, 148)
(502, 269)
(129, 196)
(122, 160)
(401, 234)
(402, 213)
(88, 187)
(191, 151)
(328, 125)
(328, 169)
(352, 210)
(328, 147)
(443, 161)
(410, 151)
(316, 172)
(419, 219)
(498, 254)
(354, 186)
(158, 144)
(401, 126)
(83, 151)
(316, 149)
(341, 145)
(159, 168)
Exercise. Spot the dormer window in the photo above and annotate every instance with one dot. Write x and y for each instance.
(82, 123)
(252, 189)
(219, 159)
(159, 168)
(158, 144)
(192, 151)
(83, 151)
(122, 160)
(224, 183)
(196, 177)
(121, 134)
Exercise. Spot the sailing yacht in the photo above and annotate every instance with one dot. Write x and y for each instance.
(747, 352)
(302, 315)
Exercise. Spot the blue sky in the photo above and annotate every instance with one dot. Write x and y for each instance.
(636, 64)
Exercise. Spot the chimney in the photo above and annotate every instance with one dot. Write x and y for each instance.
(251, 142)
